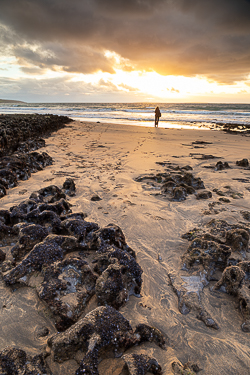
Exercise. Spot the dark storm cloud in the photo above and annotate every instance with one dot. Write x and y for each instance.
(184, 37)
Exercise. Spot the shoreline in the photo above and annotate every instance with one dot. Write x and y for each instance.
(104, 160)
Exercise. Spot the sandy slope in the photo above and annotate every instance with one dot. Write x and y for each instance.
(104, 159)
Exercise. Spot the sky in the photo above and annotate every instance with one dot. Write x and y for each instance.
(125, 50)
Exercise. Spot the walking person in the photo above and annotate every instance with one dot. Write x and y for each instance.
(157, 116)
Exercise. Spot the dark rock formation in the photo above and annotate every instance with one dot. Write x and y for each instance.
(243, 163)
(17, 129)
(16, 362)
(29, 236)
(51, 250)
(95, 198)
(220, 166)
(176, 183)
(128, 270)
(205, 194)
(69, 187)
(67, 288)
(209, 254)
(102, 328)
(18, 144)
(141, 364)
(217, 248)
(186, 369)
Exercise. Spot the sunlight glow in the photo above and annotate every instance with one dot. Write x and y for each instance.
(137, 85)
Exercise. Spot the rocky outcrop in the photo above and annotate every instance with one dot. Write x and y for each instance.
(218, 248)
(19, 140)
(176, 183)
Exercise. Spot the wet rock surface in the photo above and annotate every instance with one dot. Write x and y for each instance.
(186, 369)
(67, 288)
(141, 364)
(19, 140)
(176, 183)
(17, 129)
(217, 252)
(16, 362)
(102, 328)
(70, 262)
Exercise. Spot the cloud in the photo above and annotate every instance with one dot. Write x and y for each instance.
(181, 37)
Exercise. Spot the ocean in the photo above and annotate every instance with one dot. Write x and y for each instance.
(174, 115)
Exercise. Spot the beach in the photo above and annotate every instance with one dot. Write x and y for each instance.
(109, 164)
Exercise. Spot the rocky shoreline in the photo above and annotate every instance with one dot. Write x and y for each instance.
(20, 138)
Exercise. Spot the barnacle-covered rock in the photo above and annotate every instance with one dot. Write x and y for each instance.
(52, 249)
(78, 227)
(29, 236)
(69, 187)
(238, 240)
(102, 328)
(141, 364)
(208, 254)
(131, 270)
(112, 287)
(231, 280)
(67, 288)
(16, 362)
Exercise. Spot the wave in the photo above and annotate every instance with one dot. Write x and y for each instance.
(141, 113)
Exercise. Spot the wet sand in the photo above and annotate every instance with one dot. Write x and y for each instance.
(105, 159)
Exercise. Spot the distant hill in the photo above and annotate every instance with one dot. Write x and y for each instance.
(10, 101)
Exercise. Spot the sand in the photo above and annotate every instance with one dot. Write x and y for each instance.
(105, 159)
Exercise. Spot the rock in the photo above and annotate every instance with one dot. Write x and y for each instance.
(42, 331)
(19, 142)
(231, 280)
(209, 254)
(16, 362)
(179, 194)
(31, 145)
(242, 163)
(225, 200)
(95, 198)
(52, 249)
(67, 288)
(69, 187)
(246, 215)
(177, 183)
(131, 270)
(49, 194)
(205, 194)
(186, 369)
(141, 364)
(102, 328)
(238, 240)
(112, 287)
(29, 236)
(2, 255)
(105, 237)
(78, 227)
(220, 166)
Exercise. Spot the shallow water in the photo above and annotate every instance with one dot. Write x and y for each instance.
(174, 115)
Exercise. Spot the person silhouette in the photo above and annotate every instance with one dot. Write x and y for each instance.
(157, 116)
